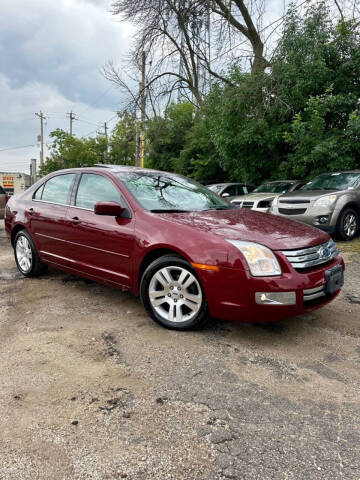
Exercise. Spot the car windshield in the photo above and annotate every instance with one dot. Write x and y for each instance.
(215, 188)
(333, 181)
(274, 187)
(166, 192)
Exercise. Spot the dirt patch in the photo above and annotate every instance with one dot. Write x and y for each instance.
(91, 388)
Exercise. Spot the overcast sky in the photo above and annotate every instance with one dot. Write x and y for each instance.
(51, 52)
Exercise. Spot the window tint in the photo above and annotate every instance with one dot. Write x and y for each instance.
(57, 189)
(95, 188)
(231, 190)
(38, 193)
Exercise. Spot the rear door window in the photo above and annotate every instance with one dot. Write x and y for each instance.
(95, 188)
(58, 189)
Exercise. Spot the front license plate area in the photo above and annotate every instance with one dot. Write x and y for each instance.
(334, 279)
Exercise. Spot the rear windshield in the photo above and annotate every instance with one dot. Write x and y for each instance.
(278, 187)
(2, 191)
(333, 181)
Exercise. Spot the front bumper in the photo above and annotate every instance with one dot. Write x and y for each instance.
(231, 293)
(312, 217)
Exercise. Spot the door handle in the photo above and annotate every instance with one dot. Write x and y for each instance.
(75, 220)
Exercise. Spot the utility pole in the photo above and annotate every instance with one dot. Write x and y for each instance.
(42, 118)
(33, 170)
(71, 116)
(143, 109)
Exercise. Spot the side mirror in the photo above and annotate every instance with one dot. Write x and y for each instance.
(112, 209)
(225, 195)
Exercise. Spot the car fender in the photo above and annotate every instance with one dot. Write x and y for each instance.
(343, 200)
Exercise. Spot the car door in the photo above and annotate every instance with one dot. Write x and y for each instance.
(100, 246)
(47, 216)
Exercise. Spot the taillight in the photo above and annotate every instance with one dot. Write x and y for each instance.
(6, 199)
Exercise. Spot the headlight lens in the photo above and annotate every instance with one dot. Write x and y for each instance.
(325, 201)
(261, 260)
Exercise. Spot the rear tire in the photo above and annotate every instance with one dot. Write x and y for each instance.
(26, 256)
(172, 294)
(348, 224)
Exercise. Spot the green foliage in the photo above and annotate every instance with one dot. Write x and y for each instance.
(299, 118)
(123, 141)
(70, 152)
(166, 136)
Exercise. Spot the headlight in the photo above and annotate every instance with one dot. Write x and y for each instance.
(325, 201)
(261, 260)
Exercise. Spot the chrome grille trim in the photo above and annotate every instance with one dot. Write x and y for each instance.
(311, 257)
(313, 293)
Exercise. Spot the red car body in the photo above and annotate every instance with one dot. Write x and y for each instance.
(116, 251)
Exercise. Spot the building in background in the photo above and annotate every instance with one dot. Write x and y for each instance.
(14, 182)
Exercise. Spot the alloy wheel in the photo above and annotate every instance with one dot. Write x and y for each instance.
(175, 294)
(350, 225)
(24, 254)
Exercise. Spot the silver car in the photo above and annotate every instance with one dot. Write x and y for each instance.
(231, 190)
(330, 201)
(262, 197)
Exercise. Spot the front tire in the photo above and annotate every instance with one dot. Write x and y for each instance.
(26, 256)
(348, 224)
(172, 294)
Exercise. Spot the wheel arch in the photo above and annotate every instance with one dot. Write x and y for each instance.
(154, 254)
(15, 231)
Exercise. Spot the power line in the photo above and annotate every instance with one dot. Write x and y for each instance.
(16, 148)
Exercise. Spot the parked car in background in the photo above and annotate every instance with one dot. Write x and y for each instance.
(186, 251)
(261, 198)
(3, 201)
(231, 190)
(330, 201)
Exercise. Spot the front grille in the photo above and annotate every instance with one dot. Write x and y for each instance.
(247, 204)
(292, 211)
(293, 202)
(312, 256)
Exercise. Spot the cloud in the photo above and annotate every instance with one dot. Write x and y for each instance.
(51, 53)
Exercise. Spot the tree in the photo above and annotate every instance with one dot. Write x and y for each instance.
(123, 141)
(166, 136)
(67, 151)
(301, 116)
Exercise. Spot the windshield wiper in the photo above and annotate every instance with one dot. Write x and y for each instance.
(168, 210)
(224, 207)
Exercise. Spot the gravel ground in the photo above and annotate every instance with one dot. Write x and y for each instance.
(90, 388)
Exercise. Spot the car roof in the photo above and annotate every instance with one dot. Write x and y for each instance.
(111, 168)
(227, 183)
(283, 181)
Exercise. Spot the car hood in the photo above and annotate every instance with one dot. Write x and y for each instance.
(255, 197)
(277, 233)
(308, 194)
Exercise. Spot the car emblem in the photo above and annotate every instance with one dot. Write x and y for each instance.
(324, 252)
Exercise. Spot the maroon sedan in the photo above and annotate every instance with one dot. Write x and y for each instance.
(186, 251)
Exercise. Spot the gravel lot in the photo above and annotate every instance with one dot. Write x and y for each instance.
(90, 388)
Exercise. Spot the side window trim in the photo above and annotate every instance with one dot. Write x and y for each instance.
(123, 202)
(67, 204)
